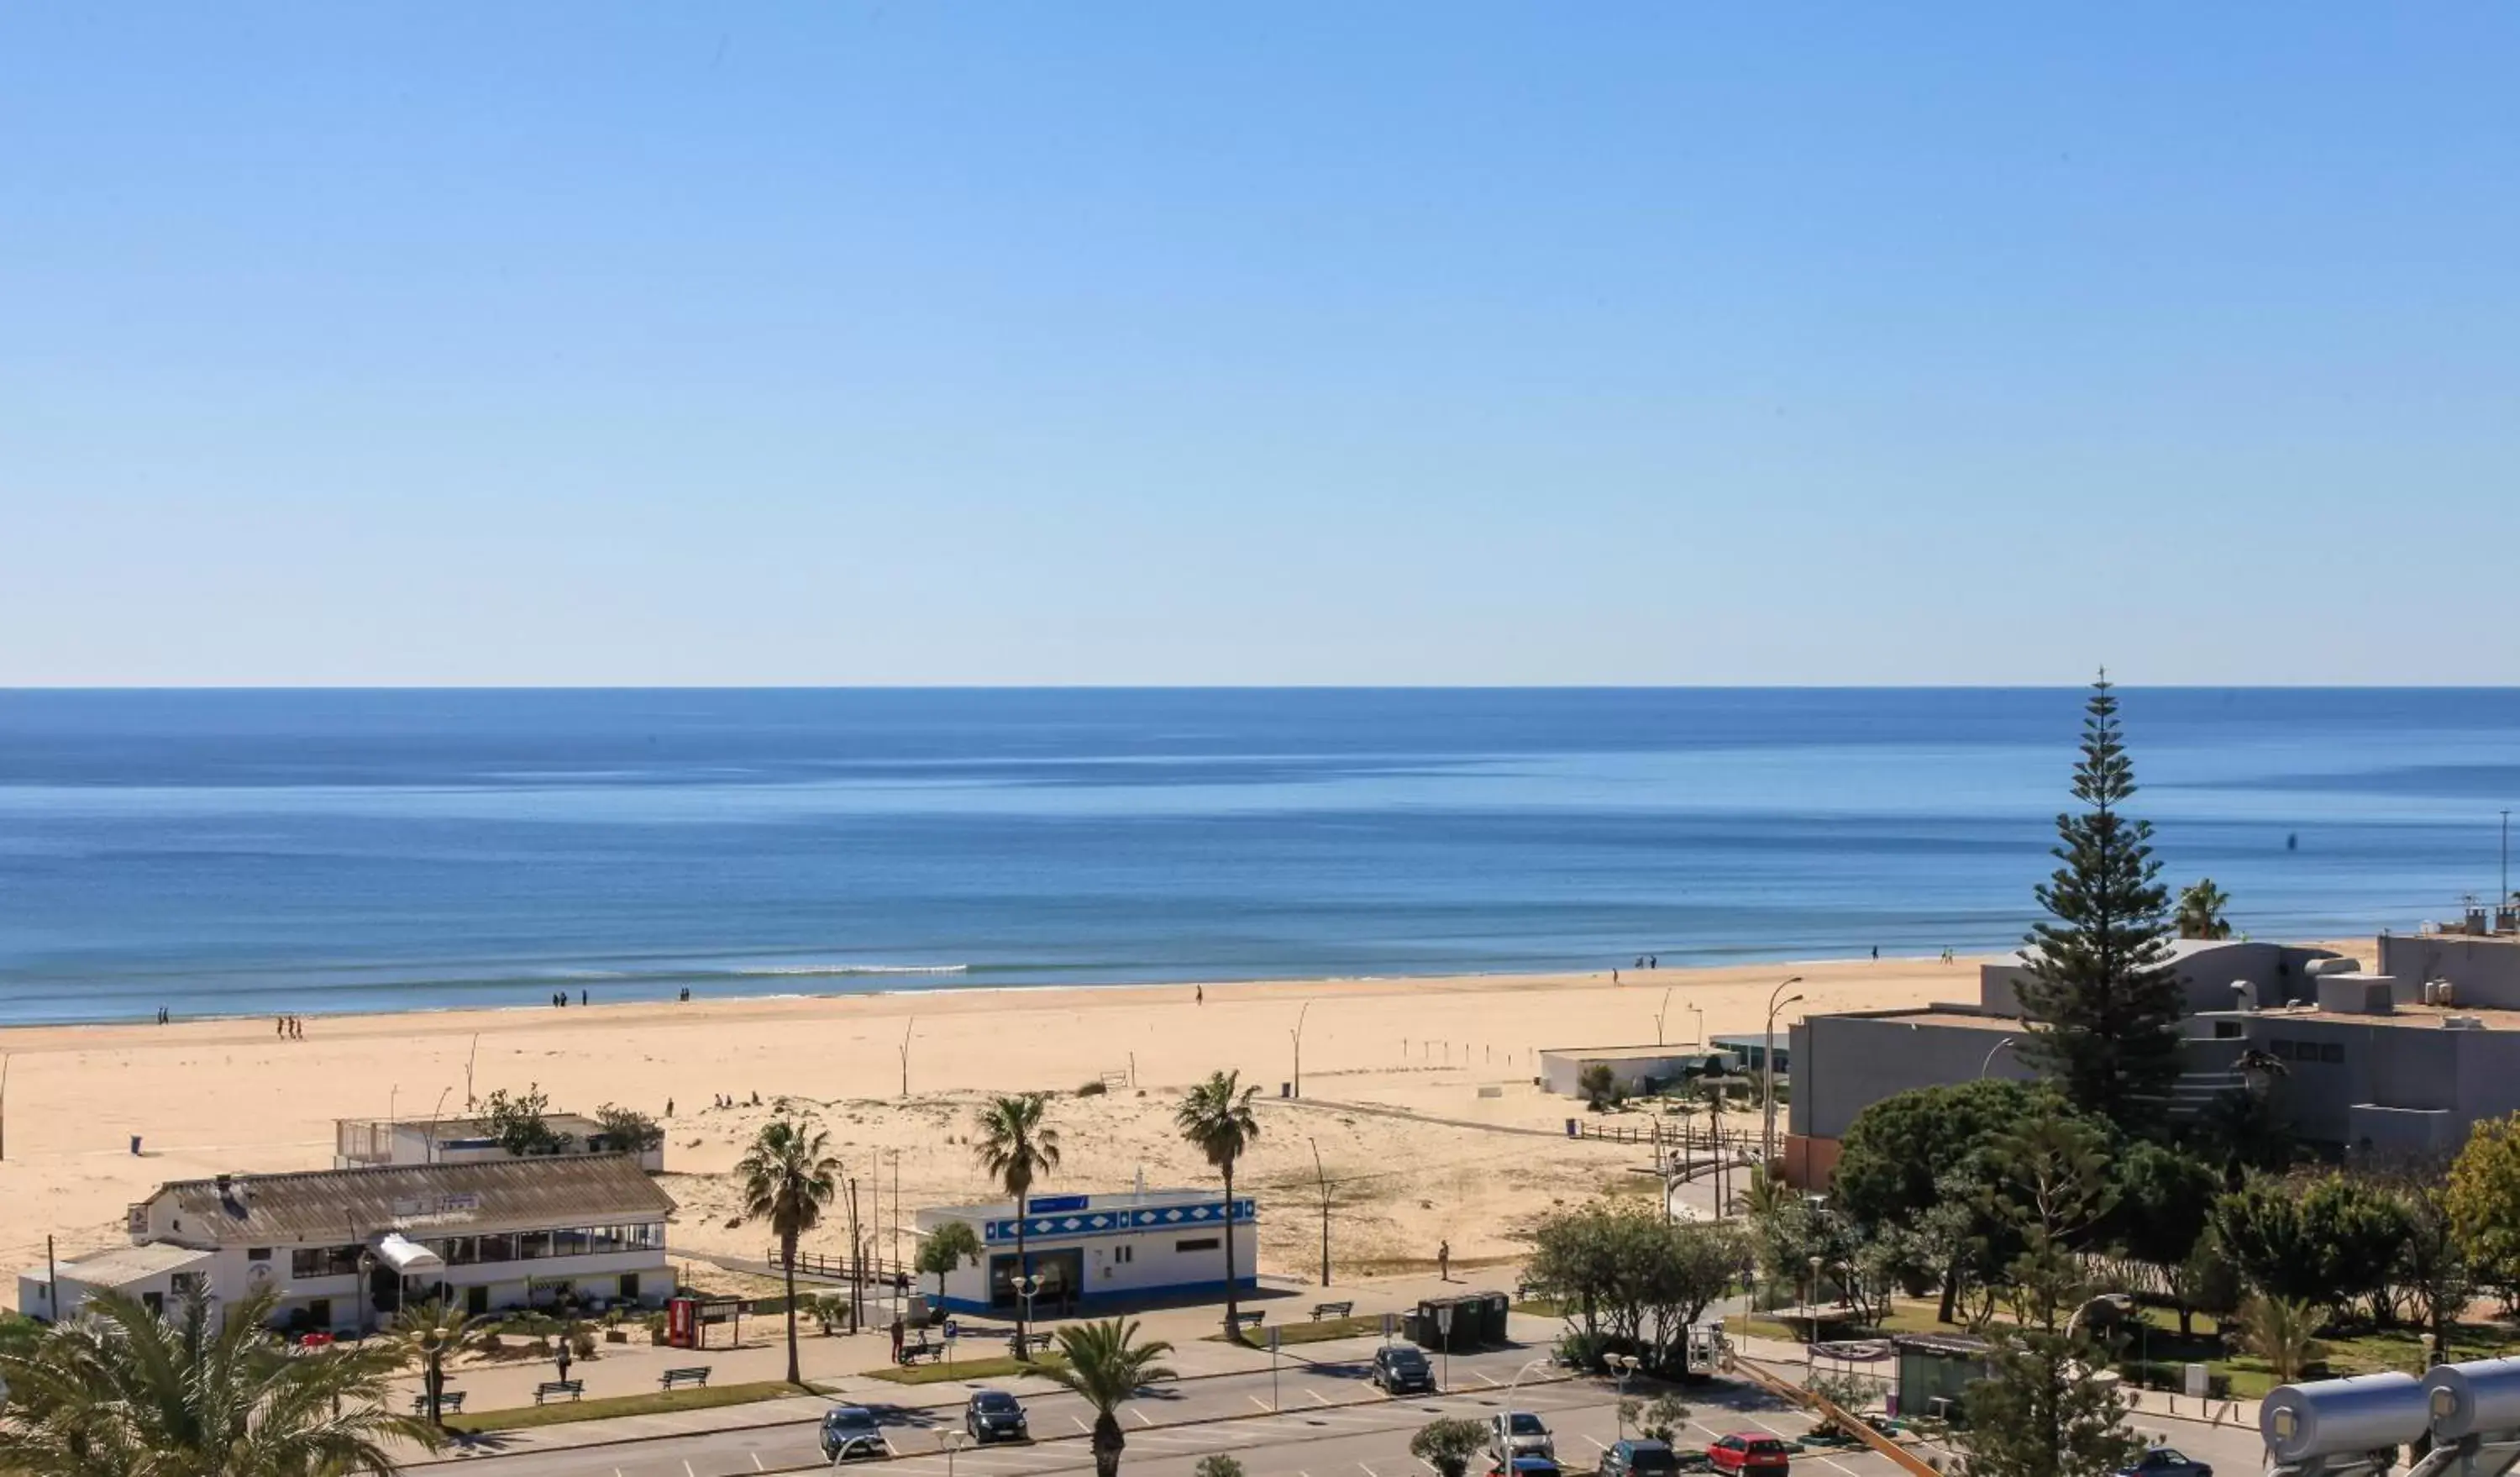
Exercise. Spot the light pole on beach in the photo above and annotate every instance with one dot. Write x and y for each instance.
(4, 1104)
(905, 1054)
(1298, 1034)
(1700, 1013)
(1768, 1072)
(1325, 1209)
(1987, 1066)
(1658, 1015)
(430, 1154)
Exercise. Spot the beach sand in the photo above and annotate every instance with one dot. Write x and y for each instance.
(209, 1097)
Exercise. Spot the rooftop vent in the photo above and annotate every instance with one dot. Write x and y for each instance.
(2463, 1022)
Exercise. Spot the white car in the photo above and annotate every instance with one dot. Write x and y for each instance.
(1520, 1433)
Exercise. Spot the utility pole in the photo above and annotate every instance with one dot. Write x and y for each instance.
(905, 1054)
(468, 1068)
(1298, 1034)
(2506, 856)
(1325, 1209)
(52, 1282)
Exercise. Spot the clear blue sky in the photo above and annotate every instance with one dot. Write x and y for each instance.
(1168, 342)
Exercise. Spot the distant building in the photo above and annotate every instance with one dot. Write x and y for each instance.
(366, 1142)
(1087, 1250)
(1637, 1070)
(347, 1247)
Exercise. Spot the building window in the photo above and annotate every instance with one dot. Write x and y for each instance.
(1197, 1243)
(1124, 1254)
(257, 1253)
(323, 1262)
(498, 1248)
(629, 1286)
(2227, 1030)
(2331, 1051)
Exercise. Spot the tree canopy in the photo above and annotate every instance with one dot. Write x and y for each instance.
(518, 1122)
(2104, 1004)
(1631, 1283)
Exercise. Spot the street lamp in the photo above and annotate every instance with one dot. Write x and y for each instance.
(1325, 1209)
(1768, 1072)
(1626, 1365)
(1658, 1013)
(1298, 1034)
(1026, 1288)
(952, 1441)
(1700, 1013)
(1810, 1311)
(1984, 1066)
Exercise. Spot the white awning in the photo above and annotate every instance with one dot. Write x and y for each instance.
(408, 1257)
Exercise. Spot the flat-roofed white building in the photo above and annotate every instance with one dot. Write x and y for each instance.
(156, 1274)
(1136, 1246)
(365, 1142)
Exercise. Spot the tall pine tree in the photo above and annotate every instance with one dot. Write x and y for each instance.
(2103, 999)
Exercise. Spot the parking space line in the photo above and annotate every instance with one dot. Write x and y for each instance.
(1369, 1471)
(1081, 1425)
(1320, 1398)
(1141, 1416)
(1494, 1383)
(1598, 1444)
(1257, 1401)
(756, 1462)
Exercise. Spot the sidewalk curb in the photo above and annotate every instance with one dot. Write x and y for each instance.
(767, 1425)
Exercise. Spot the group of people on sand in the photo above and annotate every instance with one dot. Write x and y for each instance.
(724, 1100)
(1644, 961)
(560, 999)
(292, 1026)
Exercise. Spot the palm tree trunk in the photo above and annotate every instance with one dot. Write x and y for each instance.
(1109, 1442)
(1230, 1306)
(787, 1263)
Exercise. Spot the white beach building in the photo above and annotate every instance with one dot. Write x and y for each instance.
(346, 1247)
(1136, 1246)
(364, 1143)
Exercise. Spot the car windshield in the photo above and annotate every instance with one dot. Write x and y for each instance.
(1527, 1425)
(1767, 1446)
(853, 1421)
(994, 1401)
(1407, 1359)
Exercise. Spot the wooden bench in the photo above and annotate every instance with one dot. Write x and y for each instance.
(572, 1388)
(1326, 1311)
(696, 1374)
(1243, 1321)
(448, 1400)
(1023, 1345)
(913, 1350)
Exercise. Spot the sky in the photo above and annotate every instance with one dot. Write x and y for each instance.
(1190, 343)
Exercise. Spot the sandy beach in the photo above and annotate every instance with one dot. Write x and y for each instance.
(229, 1096)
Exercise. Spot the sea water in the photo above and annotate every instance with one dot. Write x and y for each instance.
(258, 852)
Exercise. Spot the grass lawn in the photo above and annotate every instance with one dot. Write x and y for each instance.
(1313, 1333)
(1004, 1367)
(561, 1412)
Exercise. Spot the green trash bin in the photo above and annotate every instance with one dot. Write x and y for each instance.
(1493, 1308)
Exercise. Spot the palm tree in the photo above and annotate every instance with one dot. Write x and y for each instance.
(2279, 1331)
(788, 1176)
(2200, 910)
(1216, 1120)
(428, 1335)
(1765, 1196)
(120, 1392)
(1017, 1147)
(1106, 1365)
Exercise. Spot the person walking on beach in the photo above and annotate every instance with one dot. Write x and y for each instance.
(280, 1025)
(581, 997)
(1201, 997)
(670, 1107)
(1877, 954)
(1444, 1261)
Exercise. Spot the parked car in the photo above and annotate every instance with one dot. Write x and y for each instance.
(1749, 1454)
(1399, 1370)
(994, 1416)
(1639, 1458)
(1520, 1433)
(849, 1433)
(1528, 1465)
(2165, 1461)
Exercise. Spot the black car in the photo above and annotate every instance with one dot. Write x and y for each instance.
(1639, 1458)
(849, 1433)
(1399, 1370)
(994, 1416)
(2163, 1462)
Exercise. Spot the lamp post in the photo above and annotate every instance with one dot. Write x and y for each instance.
(1768, 1072)
(1984, 1066)
(1298, 1034)
(4, 1104)
(1811, 1326)
(952, 1441)
(1026, 1287)
(1658, 1013)
(428, 1155)
(905, 1072)
(1700, 1013)
(1626, 1365)
(1325, 1209)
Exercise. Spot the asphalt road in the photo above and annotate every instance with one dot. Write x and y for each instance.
(1317, 1421)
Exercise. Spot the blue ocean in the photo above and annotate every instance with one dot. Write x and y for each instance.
(255, 852)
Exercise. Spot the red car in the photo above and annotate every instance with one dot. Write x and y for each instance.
(1749, 1455)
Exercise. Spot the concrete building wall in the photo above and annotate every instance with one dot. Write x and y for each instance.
(1560, 1070)
(1846, 1064)
(2484, 973)
(2278, 972)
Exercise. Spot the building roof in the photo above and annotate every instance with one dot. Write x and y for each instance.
(2404, 1016)
(1678, 1052)
(1939, 1016)
(1052, 1205)
(344, 1205)
(122, 1266)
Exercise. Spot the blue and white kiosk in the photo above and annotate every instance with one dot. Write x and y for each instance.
(1136, 1246)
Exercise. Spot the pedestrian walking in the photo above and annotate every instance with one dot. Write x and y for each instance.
(1444, 1261)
